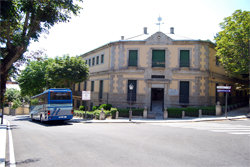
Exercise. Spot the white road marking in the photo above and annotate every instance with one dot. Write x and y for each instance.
(11, 148)
(213, 127)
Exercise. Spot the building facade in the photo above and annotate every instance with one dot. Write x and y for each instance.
(164, 70)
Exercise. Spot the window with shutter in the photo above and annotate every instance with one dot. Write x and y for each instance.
(184, 58)
(97, 60)
(184, 92)
(102, 58)
(158, 58)
(101, 89)
(92, 86)
(133, 57)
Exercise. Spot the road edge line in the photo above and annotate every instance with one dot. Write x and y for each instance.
(11, 148)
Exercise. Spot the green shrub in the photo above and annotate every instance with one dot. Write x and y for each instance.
(82, 108)
(96, 113)
(175, 112)
(191, 111)
(125, 112)
(95, 108)
(105, 106)
(113, 112)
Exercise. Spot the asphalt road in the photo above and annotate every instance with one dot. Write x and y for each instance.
(224, 143)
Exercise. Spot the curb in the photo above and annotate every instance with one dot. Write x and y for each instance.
(3, 137)
(162, 121)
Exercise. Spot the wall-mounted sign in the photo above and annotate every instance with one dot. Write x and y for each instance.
(86, 95)
(173, 92)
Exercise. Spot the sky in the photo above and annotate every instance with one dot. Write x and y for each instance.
(104, 21)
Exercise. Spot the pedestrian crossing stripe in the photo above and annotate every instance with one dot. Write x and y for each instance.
(213, 127)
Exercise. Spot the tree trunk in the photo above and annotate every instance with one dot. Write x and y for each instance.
(3, 81)
(12, 55)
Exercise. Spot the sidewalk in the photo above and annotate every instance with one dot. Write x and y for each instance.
(3, 130)
(240, 113)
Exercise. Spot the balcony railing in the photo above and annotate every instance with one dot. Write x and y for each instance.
(158, 64)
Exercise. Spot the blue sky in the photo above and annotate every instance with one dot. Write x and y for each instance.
(103, 21)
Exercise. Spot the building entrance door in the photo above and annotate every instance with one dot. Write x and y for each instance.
(157, 100)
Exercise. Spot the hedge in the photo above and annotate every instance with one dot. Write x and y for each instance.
(124, 112)
(190, 111)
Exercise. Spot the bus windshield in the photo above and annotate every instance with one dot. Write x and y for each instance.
(60, 96)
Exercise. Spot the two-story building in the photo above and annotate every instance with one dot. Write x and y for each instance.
(165, 70)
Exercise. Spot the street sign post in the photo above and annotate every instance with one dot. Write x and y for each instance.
(224, 89)
(86, 95)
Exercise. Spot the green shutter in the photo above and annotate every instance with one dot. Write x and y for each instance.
(184, 92)
(184, 58)
(101, 89)
(158, 58)
(133, 56)
(92, 86)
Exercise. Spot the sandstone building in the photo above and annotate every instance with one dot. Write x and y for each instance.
(165, 70)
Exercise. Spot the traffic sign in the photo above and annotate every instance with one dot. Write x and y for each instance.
(224, 90)
(86, 95)
(223, 87)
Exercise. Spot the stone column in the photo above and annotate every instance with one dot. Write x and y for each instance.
(102, 115)
(145, 112)
(165, 114)
(218, 110)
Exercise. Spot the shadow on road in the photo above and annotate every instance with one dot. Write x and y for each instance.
(25, 162)
(47, 124)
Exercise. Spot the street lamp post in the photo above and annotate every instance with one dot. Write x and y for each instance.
(131, 87)
(1, 104)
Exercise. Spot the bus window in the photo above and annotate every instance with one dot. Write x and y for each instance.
(60, 96)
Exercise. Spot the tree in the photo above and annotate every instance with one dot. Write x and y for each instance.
(32, 78)
(23, 21)
(60, 72)
(66, 71)
(14, 96)
(232, 43)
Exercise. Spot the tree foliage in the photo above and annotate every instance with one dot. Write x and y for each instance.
(61, 72)
(233, 43)
(23, 21)
(14, 96)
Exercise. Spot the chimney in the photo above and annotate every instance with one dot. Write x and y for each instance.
(122, 37)
(145, 30)
(171, 30)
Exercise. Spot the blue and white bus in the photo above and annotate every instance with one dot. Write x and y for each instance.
(51, 105)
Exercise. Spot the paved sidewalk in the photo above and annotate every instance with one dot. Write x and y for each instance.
(240, 113)
(3, 130)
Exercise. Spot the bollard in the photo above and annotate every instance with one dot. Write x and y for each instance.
(183, 114)
(218, 110)
(130, 115)
(200, 113)
(116, 114)
(102, 115)
(165, 114)
(145, 112)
